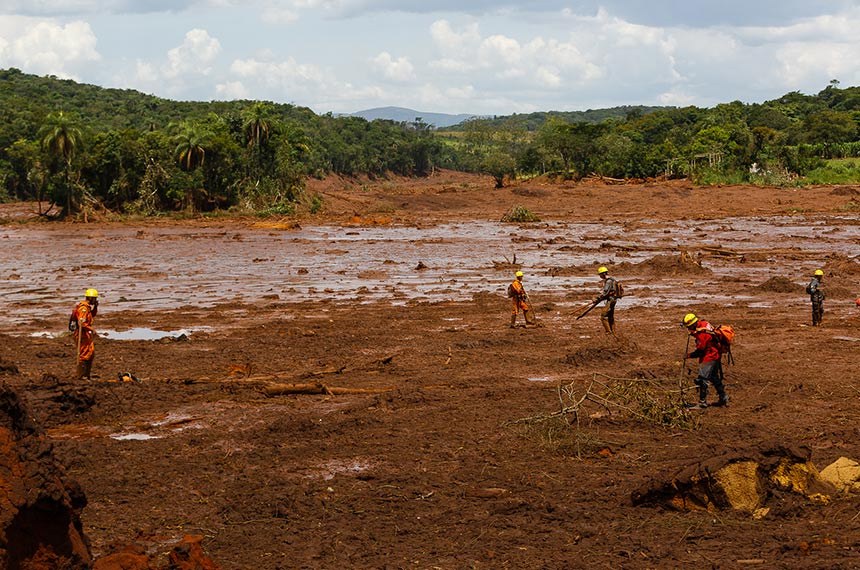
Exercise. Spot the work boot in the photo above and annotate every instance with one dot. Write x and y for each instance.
(606, 326)
(87, 368)
(513, 321)
(723, 401)
(700, 406)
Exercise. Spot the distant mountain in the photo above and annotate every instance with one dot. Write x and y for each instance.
(401, 114)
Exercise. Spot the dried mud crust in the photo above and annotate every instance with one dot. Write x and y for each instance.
(429, 472)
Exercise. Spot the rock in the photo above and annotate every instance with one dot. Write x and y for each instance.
(132, 557)
(40, 508)
(738, 481)
(189, 555)
(844, 474)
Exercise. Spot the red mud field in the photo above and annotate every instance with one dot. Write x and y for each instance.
(421, 461)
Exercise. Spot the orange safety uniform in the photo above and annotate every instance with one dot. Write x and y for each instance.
(84, 333)
(520, 302)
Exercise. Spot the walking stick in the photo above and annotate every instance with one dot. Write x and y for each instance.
(594, 304)
(683, 367)
(78, 353)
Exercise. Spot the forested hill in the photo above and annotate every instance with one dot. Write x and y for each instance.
(533, 121)
(27, 99)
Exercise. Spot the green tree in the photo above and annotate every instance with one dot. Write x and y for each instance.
(829, 127)
(499, 164)
(61, 137)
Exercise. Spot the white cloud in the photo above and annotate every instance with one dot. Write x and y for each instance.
(232, 90)
(194, 56)
(145, 72)
(399, 69)
(46, 47)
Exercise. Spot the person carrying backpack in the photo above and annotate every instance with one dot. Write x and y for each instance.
(816, 295)
(611, 293)
(520, 299)
(710, 360)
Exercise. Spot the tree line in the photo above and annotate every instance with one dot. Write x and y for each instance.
(782, 138)
(68, 144)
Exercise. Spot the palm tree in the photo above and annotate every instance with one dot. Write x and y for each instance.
(61, 137)
(256, 124)
(191, 140)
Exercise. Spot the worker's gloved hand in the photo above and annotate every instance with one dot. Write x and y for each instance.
(73, 326)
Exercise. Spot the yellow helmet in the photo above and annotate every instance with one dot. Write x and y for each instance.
(602, 270)
(518, 274)
(690, 319)
(91, 293)
(818, 273)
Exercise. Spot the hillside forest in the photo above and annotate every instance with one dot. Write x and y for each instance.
(73, 146)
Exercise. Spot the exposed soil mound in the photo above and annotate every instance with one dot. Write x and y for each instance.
(780, 285)
(845, 191)
(40, 525)
(842, 266)
(675, 265)
(742, 481)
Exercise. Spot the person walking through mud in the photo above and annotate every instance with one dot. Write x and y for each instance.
(520, 300)
(81, 325)
(611, 293)
(816, 295)
(710, 360)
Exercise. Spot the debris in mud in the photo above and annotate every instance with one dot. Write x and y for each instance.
(421, 266)
(600, 351)
(507, 264)
(744, 481)
(7, 367)
(187, 554)
(780, 284)
(40, 524)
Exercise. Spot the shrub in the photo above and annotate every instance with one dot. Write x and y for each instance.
(520, 214)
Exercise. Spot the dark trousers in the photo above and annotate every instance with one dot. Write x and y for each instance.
(817, 309)
(710, 372)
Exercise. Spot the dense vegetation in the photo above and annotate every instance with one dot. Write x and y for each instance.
(76, 145)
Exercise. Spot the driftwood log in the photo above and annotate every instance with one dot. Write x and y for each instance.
(275, 389)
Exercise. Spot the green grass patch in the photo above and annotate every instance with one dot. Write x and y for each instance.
(835, 171)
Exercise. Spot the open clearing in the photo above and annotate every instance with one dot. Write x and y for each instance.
(430, 472)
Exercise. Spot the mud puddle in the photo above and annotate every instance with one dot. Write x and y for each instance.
(166, 268)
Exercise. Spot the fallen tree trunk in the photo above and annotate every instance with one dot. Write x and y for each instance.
(275, 389)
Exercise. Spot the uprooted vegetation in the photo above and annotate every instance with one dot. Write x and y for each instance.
(520, 214)
(650, 401)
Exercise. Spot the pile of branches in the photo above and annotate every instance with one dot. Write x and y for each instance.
(633, 398)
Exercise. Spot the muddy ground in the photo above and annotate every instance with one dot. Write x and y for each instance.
(433, 472)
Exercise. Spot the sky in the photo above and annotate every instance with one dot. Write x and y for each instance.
(488, 57)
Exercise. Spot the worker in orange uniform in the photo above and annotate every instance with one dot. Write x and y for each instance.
(520, 300)
(81, 325)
